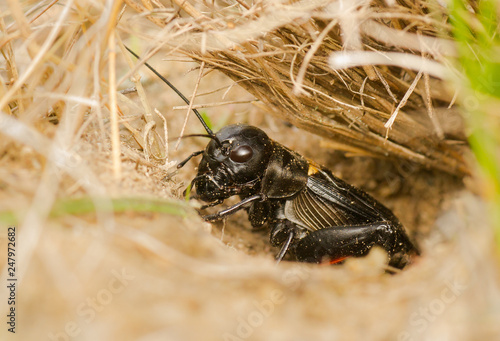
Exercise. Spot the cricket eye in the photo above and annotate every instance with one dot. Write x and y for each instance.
(241, 154)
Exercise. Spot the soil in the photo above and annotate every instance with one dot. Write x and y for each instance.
(152, 276)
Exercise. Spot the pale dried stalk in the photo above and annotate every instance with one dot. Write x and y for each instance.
(344, 60)
(97, 90)
(436, 47)
(38, 57)
(165, 133)
(136, 79)
(141, 9)
(297, 87)
(49, 6)
(136, 134)
(18, 14)
(115, 131)
(430, 108)
(197, 84)
(402, 103)
(148, 112)
(147, 142)
(186, 6)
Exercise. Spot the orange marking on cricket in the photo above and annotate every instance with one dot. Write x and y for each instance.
(312, 170)
(338, 260)
(333, 261)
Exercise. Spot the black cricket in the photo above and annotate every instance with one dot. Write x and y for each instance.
(308, 210)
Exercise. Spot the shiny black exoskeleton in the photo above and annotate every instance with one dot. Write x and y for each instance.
(309, 210)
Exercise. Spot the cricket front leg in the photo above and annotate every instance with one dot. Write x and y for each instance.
(233, 209)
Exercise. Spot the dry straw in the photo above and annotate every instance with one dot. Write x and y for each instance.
(367, 75)
(341, 69)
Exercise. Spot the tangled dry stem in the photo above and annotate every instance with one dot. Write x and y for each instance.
(280, 51)
(57, 70)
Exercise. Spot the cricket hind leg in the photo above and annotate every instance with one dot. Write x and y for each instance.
(340, 242)
(283, 234)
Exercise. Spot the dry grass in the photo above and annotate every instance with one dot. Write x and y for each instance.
(153, 270)
(399, 74)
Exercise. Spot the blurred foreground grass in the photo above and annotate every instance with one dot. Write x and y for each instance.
(476, 30)
(88, 205)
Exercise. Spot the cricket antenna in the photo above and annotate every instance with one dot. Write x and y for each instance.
(209, 131)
